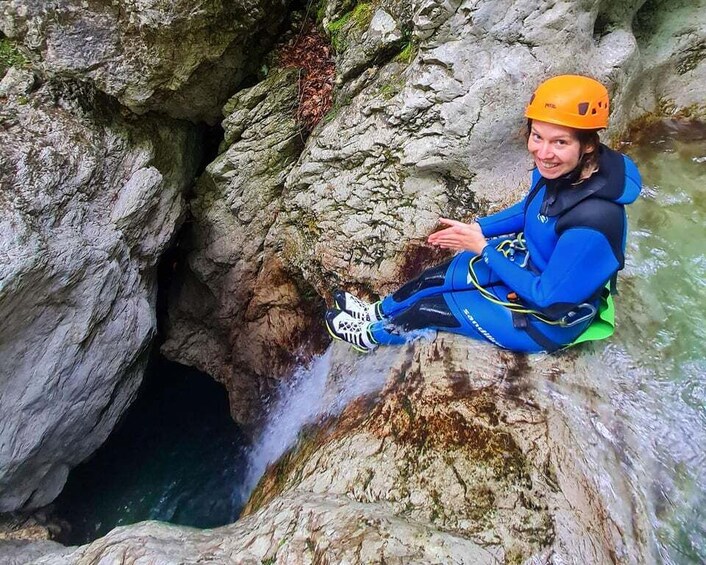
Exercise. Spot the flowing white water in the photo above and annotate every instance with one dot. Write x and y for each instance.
(311, 395)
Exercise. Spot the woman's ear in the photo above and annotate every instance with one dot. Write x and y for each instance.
(588, 148)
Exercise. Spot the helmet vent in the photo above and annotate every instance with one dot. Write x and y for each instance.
(583, 108)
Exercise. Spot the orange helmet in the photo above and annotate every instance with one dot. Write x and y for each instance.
(570, 100)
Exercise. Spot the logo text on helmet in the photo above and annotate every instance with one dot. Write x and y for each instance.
(549, 105)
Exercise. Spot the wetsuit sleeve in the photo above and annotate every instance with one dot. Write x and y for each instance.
(582, 262)
(510, 220)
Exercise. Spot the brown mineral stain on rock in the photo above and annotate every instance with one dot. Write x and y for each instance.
(419, 256)
(429, 424)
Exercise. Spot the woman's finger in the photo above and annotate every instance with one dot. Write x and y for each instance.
(450, 222)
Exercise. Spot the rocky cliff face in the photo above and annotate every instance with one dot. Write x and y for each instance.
(236, 313)
(184, 58)
(441, 134)
(89, 202)
(91, 196)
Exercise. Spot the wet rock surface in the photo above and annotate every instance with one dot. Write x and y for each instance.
(463, 457)
(25, 538)
(424, 124)
(89, 203)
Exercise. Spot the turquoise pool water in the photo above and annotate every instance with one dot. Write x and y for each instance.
(662, 333)
(174, 458)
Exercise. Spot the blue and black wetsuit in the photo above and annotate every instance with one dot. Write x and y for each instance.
(575, 238)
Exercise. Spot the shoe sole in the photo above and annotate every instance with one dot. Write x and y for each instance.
(353, 345)
(339, 301)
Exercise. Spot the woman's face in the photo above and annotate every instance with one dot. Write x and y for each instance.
(555, 149)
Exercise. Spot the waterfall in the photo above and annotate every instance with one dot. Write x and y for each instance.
(321, 389)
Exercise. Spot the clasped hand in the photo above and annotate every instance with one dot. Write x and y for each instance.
(459, 236)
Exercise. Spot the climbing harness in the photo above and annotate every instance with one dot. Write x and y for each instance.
(512, 250)
(603, 316)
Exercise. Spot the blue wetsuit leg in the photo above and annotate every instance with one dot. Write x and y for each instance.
(476, 316)
(452, 276)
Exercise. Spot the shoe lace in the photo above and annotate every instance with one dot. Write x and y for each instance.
(352, 330)
(357, 308)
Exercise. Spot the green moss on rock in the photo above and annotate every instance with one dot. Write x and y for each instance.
(407, 54)
(358, 19)
(10, 56)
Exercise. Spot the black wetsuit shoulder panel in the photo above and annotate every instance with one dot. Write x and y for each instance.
(601, 215)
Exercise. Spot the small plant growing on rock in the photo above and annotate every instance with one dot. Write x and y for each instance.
(10, 56)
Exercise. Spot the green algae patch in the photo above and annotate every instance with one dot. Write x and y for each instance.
(358, 18)
(689, 122)
(10, 56)
(362, 15)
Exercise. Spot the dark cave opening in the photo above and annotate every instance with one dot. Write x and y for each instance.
(211, 138)
(176, 456)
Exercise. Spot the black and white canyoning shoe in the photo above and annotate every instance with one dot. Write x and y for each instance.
(357, 308)
(343, 326)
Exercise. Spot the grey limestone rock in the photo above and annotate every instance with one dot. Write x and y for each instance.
(366, 35)
(89, 202)
(236, 314)
(467, 455)
(16, 82)
(381, 37)
(671, 37)
(183, 57)
(21, 552)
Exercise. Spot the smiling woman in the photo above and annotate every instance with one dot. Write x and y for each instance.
(564, 117)
(544, 281)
